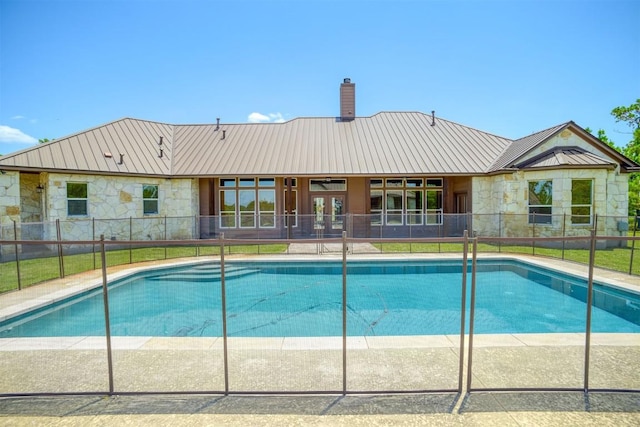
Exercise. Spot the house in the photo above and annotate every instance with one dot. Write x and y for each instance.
(391, 174)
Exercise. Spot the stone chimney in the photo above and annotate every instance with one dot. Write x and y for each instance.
(347, 100)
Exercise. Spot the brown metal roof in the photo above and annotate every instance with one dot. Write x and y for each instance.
(388, 143)
(565, 156)
(136, 140)
(521, 146)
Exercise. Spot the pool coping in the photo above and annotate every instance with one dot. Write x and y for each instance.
(451, 341)
(37, 296)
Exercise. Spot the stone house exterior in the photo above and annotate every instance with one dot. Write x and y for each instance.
(391, 174)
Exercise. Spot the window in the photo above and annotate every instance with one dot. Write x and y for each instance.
(150, 199)
(434, 206)
(540, 201)
(267, 208)
(581, 201)
(394, 207)
(405, 201)
(377, 208)
(228, 208)
(247, 203)
(328, 184)
(414, 206)
(77, 198)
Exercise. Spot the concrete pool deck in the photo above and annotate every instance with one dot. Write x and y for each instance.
(147, 364)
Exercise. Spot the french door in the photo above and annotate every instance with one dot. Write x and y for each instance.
(328, 214)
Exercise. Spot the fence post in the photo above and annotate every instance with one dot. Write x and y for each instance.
(633, 244)
(130, 238)
(533, 242)
(500, 232)
(93, 237)
(107, 323)
(224, 316)
(60, 256)
(15, 237)
(196, 227)
(344, 312)
(587, 344)
(463, 307)
(472, 309)
(564, 228)
(165, 236)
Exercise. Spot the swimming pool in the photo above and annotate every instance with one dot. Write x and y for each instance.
(300, 298)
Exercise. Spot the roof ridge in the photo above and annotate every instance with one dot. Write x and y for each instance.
(561, 125)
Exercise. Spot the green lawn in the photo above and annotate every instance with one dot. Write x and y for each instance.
(617, 259)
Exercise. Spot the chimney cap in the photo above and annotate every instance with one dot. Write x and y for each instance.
(347, 80)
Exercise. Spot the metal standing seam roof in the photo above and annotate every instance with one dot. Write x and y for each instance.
(565, 156)
(98, 150)
(521, 146)
(387, 143)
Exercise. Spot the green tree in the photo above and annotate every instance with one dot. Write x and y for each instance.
(631, 116)
(44, 140)
(602, 136)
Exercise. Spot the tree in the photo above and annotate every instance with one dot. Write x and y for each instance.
(631, 116)
(602, 136)
(44, 140)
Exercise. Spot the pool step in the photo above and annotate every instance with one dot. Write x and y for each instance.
(212, 273)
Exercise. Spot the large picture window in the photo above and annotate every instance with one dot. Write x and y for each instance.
(540, 201)
(581, 201)
(247, 203)
(150, 199)
(77, 199)
(406, 201)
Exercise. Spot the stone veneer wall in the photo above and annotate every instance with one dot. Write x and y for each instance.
(9, 199)
(115, 208)
(509, 195)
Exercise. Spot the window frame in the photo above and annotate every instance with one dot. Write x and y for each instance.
(146, 200)
(247, 208)
(534, 216)
(589, 206)
(84, 199)
(409, 214)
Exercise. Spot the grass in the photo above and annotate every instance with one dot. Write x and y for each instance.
(33, 271)
(617, 259)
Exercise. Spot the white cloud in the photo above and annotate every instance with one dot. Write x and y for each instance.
(256, 117)
(9, 134)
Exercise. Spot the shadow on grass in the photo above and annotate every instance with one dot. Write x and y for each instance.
(438, 403)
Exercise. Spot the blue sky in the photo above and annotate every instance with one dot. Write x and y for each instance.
(506, 67)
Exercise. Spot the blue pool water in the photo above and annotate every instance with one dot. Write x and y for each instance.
(305, 299)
